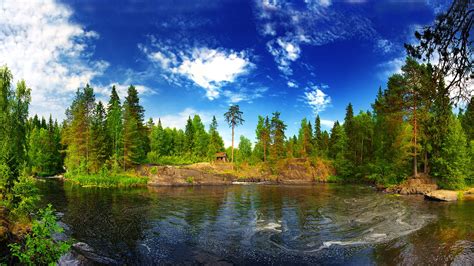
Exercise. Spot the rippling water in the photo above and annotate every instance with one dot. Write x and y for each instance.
(250, 224)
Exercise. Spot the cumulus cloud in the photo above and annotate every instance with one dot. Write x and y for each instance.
(317, 99)
(327, 123)
(179, 120)
(210, 69)
(393, 66)
(41, 44)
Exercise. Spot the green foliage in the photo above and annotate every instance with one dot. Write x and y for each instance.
(107, 180)
(277, 135)
(13, 124)
(190, 180)
(451, 167)
(135, 137)
(234, 118)
(244, 152)
(39, 248)
(23, 198)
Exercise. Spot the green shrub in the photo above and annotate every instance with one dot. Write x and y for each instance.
(189, 179)
(114, 180)
(154, 170)
(24, 196)
(38, 247)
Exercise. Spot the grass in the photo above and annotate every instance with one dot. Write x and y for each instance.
(107, 181)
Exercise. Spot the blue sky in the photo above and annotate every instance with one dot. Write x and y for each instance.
(300, 58)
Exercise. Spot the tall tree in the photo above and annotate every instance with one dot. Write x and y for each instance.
(77, 135)
(134, 131)
(245, 150)
(449, 42)
(234, 118)
(318, 135)
(100, 151)
(216, 144)
(277, 133)
(305, 139)
(114, 125)
(189, 136)
(263, 134)
(452, 164)
(468, 120)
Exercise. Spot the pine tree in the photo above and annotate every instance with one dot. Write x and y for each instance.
(468, 120)
(318, 138)
(305, 139)
(100, 151)
(216, 144)
(189, 136)
(77, 134)
(277, 133)
(115, 125)
(234, 118)
(263, 135)
(134, 132)
(201, 138)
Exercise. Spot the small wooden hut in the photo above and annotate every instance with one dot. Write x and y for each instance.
(221, 157)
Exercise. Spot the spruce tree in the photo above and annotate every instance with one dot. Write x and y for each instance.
(115, 125)
(134, 131)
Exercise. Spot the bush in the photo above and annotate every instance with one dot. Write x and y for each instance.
(24, 196)
(39, 248)
(115, 180)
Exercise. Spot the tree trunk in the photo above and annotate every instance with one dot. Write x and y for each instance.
(415, 163)
(232, 158)
(425, 170)
(264, 152)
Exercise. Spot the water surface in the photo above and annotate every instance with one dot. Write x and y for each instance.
(264, 224)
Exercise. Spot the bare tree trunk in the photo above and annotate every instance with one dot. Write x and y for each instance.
(232, 146)
(425, 170)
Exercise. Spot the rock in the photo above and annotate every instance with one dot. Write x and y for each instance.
(420, 185)
(469, 192)
(442, 195)
(83, 254)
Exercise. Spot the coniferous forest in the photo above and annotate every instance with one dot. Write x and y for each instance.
(420, 126)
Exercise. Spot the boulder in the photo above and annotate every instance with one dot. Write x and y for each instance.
(83, 254)
(442, 195)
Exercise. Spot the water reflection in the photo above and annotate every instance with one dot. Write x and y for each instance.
(327, 224)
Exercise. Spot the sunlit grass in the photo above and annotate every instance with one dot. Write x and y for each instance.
(119, 180)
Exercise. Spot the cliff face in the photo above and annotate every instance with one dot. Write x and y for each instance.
(288, 171)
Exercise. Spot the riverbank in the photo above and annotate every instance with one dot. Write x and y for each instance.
(288, 171)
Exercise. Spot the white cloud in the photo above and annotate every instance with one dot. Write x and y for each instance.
(315, 23)
(391, 67)
(40, 44)
(327, 123)
(179, 120)
(284, 52)
(210, 69)
(317, 99)
(244, 95)
(292, 84)
(385, 46)
(103, 92)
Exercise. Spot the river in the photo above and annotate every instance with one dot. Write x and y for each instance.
(264, 224)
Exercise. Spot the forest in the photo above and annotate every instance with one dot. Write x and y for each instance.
(410, 131)
(418, 126)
